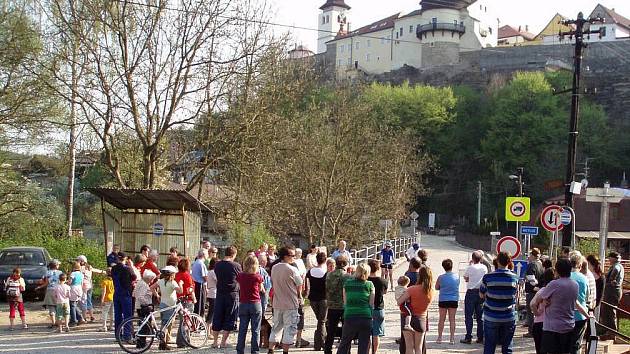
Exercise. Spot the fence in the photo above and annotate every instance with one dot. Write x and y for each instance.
(399, 246)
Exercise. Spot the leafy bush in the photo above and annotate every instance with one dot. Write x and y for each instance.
(250, 237)
(65, 249)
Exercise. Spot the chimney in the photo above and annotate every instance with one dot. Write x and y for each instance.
(519, 28)
(526, 28)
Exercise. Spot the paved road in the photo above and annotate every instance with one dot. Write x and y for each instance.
(87, 339)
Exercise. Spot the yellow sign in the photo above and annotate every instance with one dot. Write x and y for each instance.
(517, 209)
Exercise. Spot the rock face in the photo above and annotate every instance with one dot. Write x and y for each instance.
(606, 67)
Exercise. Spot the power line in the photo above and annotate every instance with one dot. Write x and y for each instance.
(276, 24)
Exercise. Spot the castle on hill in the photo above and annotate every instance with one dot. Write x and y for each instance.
(434, 34)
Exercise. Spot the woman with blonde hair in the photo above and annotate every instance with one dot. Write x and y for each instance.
(249, 309)
(358, 298)
(420, 297)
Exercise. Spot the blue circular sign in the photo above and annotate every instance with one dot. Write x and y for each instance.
(158, 229)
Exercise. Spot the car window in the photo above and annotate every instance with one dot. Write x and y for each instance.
(22, 258)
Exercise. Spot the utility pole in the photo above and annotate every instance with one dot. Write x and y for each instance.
(478, 203)
(578, 33)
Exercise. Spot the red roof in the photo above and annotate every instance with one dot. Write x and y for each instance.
(387, 22)
(611, 16)
(508, 31)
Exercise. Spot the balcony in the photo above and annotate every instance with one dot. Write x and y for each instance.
(422, 30)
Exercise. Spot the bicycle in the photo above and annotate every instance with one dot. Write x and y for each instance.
(136, 335)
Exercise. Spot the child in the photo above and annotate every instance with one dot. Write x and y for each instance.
(107, 298)
(168, 298)
(49, 281)
(405, 311)
(86, 302)
(76, 295)
(14, 287)
(62, 300)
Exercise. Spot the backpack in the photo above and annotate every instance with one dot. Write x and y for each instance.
(12, 288)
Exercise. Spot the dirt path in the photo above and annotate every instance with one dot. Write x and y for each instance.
(86, 339)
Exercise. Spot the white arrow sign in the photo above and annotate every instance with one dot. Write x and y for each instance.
(519, 267)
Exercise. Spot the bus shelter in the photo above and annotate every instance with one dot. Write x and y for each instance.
(155, 217)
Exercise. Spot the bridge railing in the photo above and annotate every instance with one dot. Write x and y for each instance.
(399, 246)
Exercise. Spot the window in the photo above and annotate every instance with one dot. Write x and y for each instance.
(357, 45)
(411, 29)
(327, 19)
(489, 29)
(396, 35)
(323, 19)
(456, 22)
(401, 31)
(434, 20)
(367, 57)
(369, 43)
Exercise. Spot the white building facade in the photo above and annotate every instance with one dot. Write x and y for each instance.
(433, 35)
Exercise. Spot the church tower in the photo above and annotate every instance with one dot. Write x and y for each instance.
(334, 16)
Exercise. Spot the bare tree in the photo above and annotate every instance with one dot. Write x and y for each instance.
(149, 68)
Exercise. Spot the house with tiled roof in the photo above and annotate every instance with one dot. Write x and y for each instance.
(615, 25)
(435, 34)
(511, 36)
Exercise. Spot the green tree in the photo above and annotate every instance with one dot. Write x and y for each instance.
(27, 104)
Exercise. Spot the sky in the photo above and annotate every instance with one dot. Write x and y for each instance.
(534, 13)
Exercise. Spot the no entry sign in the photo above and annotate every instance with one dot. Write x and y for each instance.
(550, 218)
(510, 245)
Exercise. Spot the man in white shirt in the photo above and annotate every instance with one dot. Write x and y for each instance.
(342, 251)
(473, 303)
(412, 252)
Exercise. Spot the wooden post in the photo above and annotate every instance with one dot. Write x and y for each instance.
(184, 229)
(104, 226)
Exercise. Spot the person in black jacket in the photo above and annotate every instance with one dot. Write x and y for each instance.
(123, 277)
(533, 277)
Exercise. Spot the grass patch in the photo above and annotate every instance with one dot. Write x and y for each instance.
(624, 326)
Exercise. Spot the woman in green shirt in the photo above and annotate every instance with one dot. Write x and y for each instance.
(358, 297)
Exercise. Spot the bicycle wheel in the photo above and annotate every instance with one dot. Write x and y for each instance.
(194, 330)
(133, 338)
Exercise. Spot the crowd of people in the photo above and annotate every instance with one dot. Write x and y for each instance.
(346, 300)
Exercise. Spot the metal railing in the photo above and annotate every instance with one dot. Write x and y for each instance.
(442, 26)
(622, 336)
(399, 245)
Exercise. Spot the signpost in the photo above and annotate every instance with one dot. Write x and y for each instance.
(604, 196)
(158, 229)
(520, 268)
(509, 244)
(566, 217)
(517, 209)
(550, 220)
(414, 223)
(529, 230)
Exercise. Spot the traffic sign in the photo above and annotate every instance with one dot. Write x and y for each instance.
(566, 217)
(520, 268)
(517, 209)
(529, 230)
(414, 215)
(510, 245)
(158, 229)
(550, 218)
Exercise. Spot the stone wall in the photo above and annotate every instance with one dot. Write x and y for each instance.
(477, 242)
(606, 67)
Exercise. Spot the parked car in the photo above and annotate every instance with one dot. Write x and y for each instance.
(33, 262)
